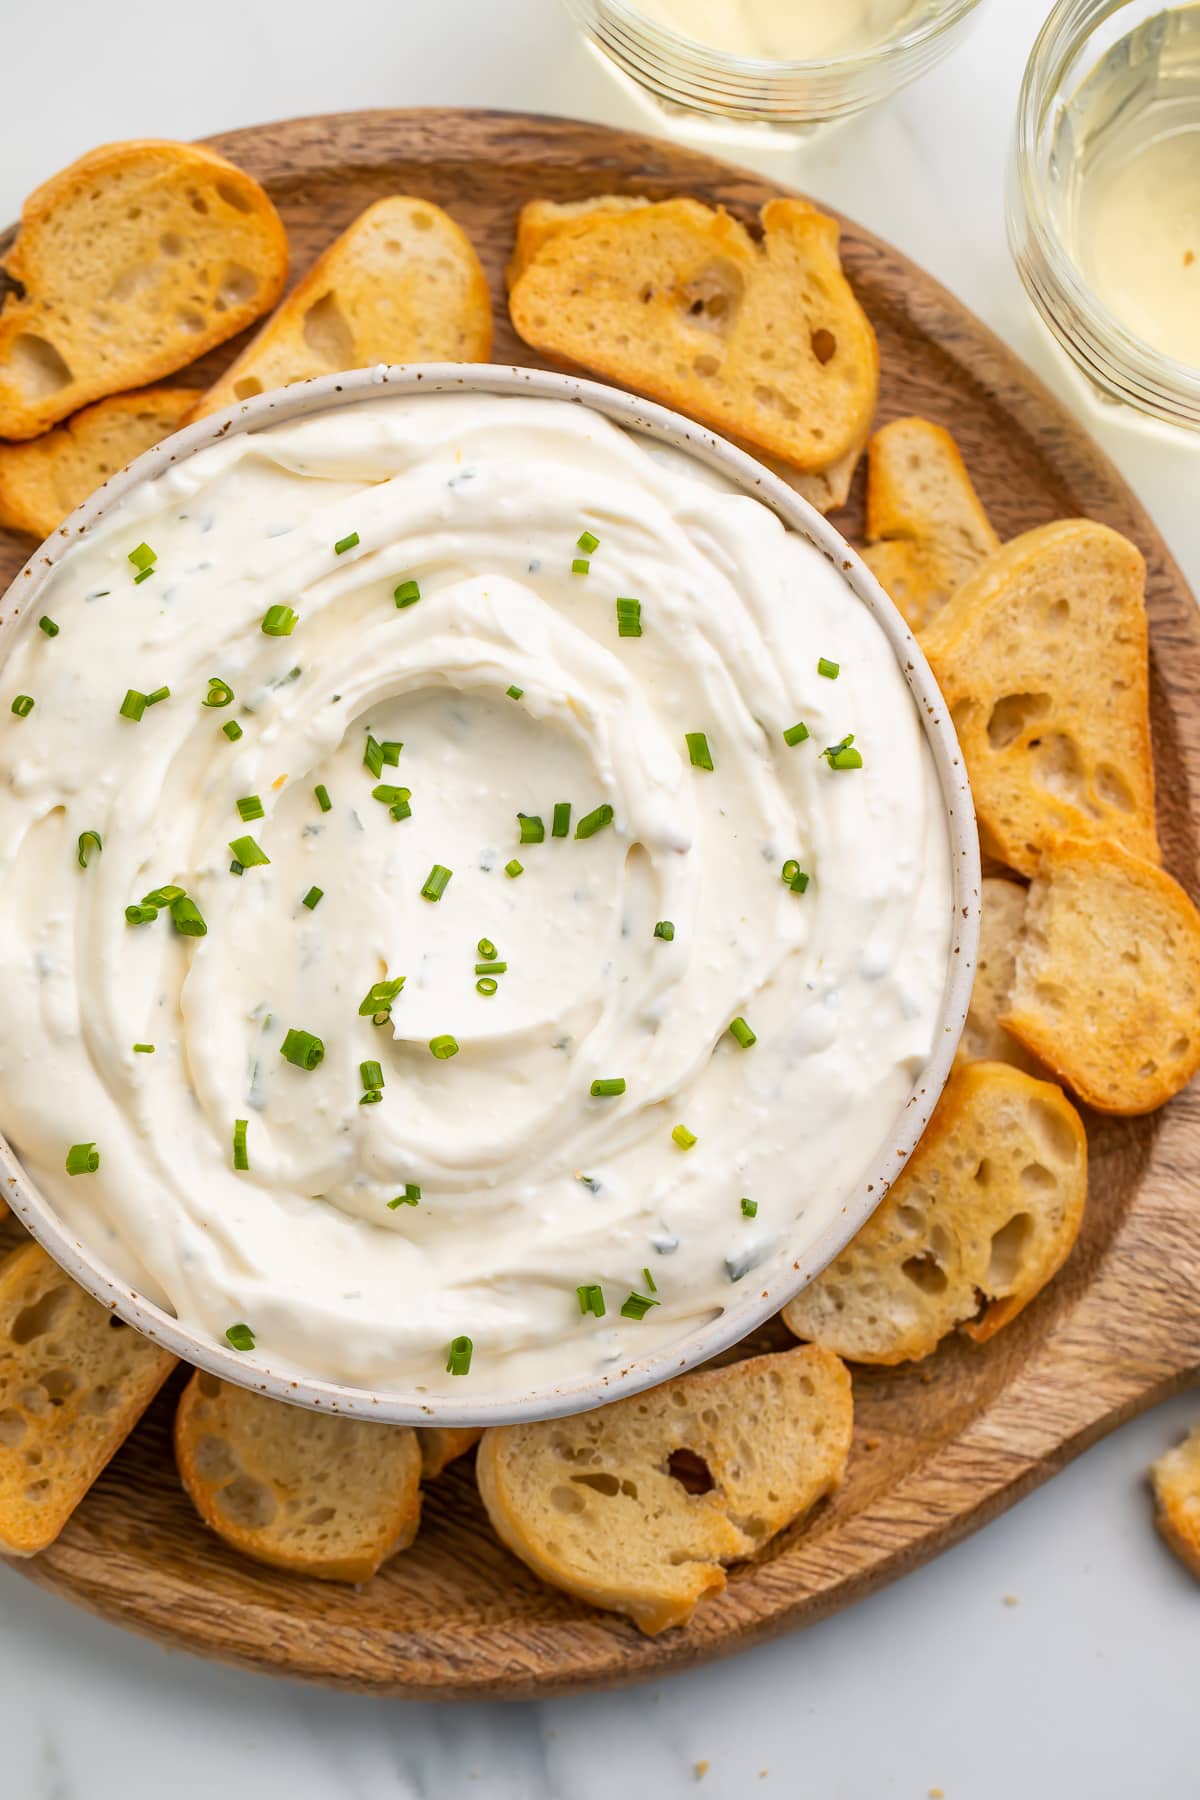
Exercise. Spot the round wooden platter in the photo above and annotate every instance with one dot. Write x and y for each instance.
(939, 1447)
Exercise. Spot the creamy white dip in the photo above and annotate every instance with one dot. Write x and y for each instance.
(529, 1187)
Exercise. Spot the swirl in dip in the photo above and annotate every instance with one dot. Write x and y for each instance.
(430, 551)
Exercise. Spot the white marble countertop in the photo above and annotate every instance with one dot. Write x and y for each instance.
(1054, 1654)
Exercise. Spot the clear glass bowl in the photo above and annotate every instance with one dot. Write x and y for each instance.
(688, 77)
(1074, 39)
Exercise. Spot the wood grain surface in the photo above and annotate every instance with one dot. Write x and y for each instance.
(939, 1448)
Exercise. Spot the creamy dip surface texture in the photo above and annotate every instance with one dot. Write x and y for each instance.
(448, 937)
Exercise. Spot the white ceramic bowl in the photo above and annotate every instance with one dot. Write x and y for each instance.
(787, 1276)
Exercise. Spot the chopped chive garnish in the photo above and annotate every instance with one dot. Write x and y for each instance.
(651, 1284)
(141, 915)
(683, 1137)
(410, 1197)
(346, 543)
(248, 853)
(23, 705)
(458, 1360)
(143, 1049)
(594, 821)
(373, 756)
(372, 1097)
(749, 1209)
(392, 796)
(302, 1049)
(88, 841)
(46, 624)
(532, 829)
(185, 916)
(391, 749)
(637, 1306)
(487, 986)
(580, 566)
(665, 930)
(133, 705)
(561, 826)
(219, 692)
(587, 542)
(606, 1086)
(401, 809)
(313, 898)
(486, 949)
(143, 557)
(232, 730)
(162, 693)
(491, 968)
(407, 594)
(698, 750)
(629, 618)
(241, 1337)
(843, 755)
(513, 869)
(514, 692)
(794, 876)
(240, 1158)
(591, 1299)
(443, 1047)
(795, 734)
(436, 882)
(162, 896)
(83, 1159)
(371, 1074)
(144, 576)
(279, 621)
(323, 800)
(250, 807)
(379, 998)
(237, 868)
(830, 670)
(743, 1033)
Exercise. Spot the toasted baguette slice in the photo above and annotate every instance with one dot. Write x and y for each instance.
(43, 480)
(764, 341)
(984, 1039)
(1042, 657)
(988, 1205)
(1106, 990)
(309, 1492)
(401, 284)
(638, 1507)
(129, 264)
(74, 1381)
(442, 1445)
(540, 220)
(928, 531)
(1176, 1479)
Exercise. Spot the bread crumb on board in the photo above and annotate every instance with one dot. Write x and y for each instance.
(701, 1769)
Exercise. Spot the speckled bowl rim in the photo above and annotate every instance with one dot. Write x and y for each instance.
(760, 1302)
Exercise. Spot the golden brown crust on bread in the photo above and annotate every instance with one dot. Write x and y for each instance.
(45, 478)
(1176, 1480)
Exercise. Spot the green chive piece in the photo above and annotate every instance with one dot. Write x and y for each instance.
(743, 1033)
(749, 1209)
(46, 624)
(513, 869)
(144, 576)
(346, 543)
(232, 730)
(587, 542)
(313, 898)
(407, 594)
(162, 896)
(665, 930)
(141, 915)
(683, 1137)
(143, 557)
(843, 755)
(487, 986)
(436, 882)
(591, 1299)
(580, 566)
(443, 1047)
(373, 756)
(830, 670)
(698, 750)
(410, 1197)
(391, 751)
(143, 1049)
(651, 1284)
(219, 692)
(83, 1159)
(133, 705)
(401, 810)
(594, 821)
(250, 807)
(23, 705)
(185, 916)
(88, 841)
(379, 998)
(795, 734)
(240, 1158)
(241, 1337)
(514, 692)
(372, 1097)
(323, 800)
(391, 796)
(491, 968)
(458, 1360)
(162, 693)
(372, 1074)
(486, 949)
(303, 1050)
(248, 853)
(237, 868)
(794, 876)
(561, 826)
(607, 1086)
(532, 829)
(279, 621)
(629, 618)
(637, 1306)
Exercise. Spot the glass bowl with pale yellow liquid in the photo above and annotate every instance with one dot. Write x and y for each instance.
(1104, 196)
(791, 63)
